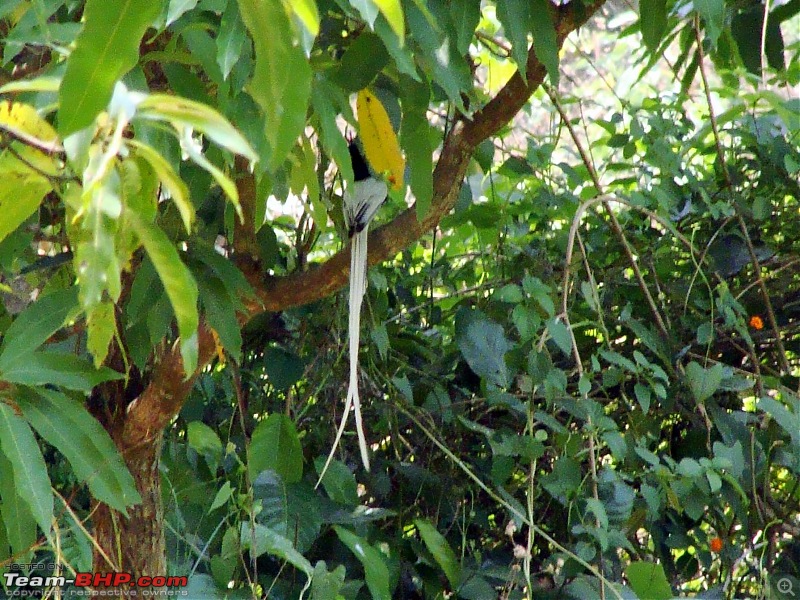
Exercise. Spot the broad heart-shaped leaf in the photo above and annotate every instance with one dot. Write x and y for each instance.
(106, 49)
(58, 368)
(178, 282)
(380, 142)
(704, 382)
(20, 528)
(648, 580)
(483, 344)
(652, 22)
(441, 551)
(375, 570)
(67, 425)
(282, 81)
(275, 446)
(713, 14)
(27, 463)
(35, 324)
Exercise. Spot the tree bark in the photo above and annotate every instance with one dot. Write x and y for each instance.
(135, 543)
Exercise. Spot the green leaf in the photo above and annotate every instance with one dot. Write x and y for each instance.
(220, 310)
(560, 334)
(545, 42)
(704, 382)
(441, 551)
(713, 15)
(231, 38)
(393, 11)
(483, 344)
(415, 138)
(323, 101)
(178, 191)
(19, 524)
(306, 11)
(181, 113)
(282, 81)
(275, 446)
(67, 425)
(269, 542)
(28, 466)
(106, 49)
(36, 324)
(652, 22)
(223, 495)
(361, 63)
(58, 368)
(339, 483)
(205, 441)
(100, 327)
(177, 8)
(179, 285)
(375, 570)
(516, 18)
(648, 580)
(326, 585)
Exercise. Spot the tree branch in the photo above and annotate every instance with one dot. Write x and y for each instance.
(162, 399)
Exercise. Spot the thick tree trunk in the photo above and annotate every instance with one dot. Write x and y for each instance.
(134, 544)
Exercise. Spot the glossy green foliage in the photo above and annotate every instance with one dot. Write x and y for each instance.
(563, 397)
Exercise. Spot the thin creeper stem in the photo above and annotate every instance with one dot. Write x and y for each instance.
(742, 225)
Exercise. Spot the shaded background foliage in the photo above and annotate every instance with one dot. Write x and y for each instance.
(588, 369)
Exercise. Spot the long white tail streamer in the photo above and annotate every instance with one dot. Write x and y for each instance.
(359, 208)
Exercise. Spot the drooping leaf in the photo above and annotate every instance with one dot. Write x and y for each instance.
(652, 22)
(179, 285)
(178, 191)
(545, 42)
(27, 464)
(275, 446)
(441, 551)
(18, 521)
(381, 146)
(269, 542)
(68, 426)
(516, 18)
(416, 140)
(197, 116)
(106, 49)
(205, 441)
(375, 569)
(57, 368)
(231, 38)
(306, 11)
(282, 81)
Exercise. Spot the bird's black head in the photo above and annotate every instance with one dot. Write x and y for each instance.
(360, 168)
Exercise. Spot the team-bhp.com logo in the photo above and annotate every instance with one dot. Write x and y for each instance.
(94, 580)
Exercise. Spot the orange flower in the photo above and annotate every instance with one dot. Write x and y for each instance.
(756, 322)
(716, 544)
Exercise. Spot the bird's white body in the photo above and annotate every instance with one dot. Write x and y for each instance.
(359, 208)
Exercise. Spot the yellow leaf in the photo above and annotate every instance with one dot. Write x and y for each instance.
(393, 11)
(24, 118)
(378, 138)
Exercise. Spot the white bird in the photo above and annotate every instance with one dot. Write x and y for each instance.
(359, 205)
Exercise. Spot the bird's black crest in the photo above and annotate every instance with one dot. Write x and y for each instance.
(360, 168)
